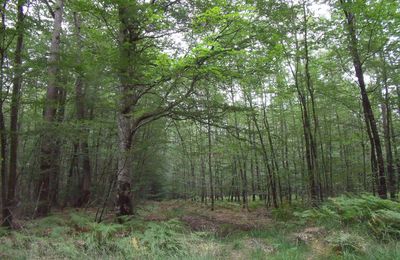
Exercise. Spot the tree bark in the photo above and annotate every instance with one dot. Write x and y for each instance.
(3, 138)
(210, 172)
(48, 160)
(386, 122)
(369, 115)
(127, 51)
(80, 105)
(15, 104)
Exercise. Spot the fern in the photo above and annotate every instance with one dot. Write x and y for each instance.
(79, 220)
(164, 238)
(386, 223)
(345, 242)
(379, 215)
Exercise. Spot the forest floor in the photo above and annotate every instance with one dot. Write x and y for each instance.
(188, 230)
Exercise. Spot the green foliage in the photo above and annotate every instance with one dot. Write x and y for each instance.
(225, 204)
(379, 215)
(346, 242)
(79, 220)
(256, 204)
(164, 239)
(386, 223)
(4, 231)
(45, 225)
(66, 237)
(101, 233)
(283, 213)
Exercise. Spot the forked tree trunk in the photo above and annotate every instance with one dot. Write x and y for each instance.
(310, 89)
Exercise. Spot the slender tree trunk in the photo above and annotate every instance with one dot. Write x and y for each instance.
(56, 178)
(203, 180)
(80, 101)
(15, 104)
(364, 160)
(386, 117)
(210, 172)
(396, 154)
(370, 118)
(312, 135)
(271, 185)
(274, 162)
(3, 138)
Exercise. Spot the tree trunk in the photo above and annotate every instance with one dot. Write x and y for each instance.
(311, 139)
(3, 138)
(127, 51)
(203, 180)
(210, 156)
(370, 118)
(48, 160)
(271, 184)
(80, 101)
(124, 186)
(386, 117)
(15, 104)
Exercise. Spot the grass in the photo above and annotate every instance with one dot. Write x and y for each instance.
(161, 230)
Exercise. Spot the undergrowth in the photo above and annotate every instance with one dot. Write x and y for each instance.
(346, 223)
(377, 216)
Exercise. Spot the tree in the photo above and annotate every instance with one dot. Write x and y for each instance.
(368, 112)
(49, 149)
(15, 103)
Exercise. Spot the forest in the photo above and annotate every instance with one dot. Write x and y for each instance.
(200, 129)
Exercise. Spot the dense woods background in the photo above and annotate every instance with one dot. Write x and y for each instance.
(106, 103)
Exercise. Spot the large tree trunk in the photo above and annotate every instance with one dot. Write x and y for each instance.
(369, 115)
(48, 160)
(124, 186)
(127, 47)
